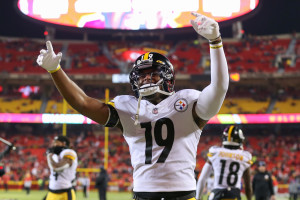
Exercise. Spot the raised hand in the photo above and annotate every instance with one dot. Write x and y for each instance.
(205, 26)
(48, 59)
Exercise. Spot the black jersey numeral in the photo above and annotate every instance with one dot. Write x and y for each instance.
(167, 142)
(56, 175)
(233, 172)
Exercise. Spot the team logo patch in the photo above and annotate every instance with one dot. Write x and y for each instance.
(266, 177)
(181, 105)
(155, 111)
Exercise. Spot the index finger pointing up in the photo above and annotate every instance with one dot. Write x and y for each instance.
(49, 46)
(196, 14)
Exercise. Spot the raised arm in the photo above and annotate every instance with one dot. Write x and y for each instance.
(212, 97)
(74, 95)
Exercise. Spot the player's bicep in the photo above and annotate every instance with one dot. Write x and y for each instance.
(247, 176)
(95, 110)
(200, 122)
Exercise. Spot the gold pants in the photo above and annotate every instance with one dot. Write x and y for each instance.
(70, 195)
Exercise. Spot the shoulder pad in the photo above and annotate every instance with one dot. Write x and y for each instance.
(69, 153)
(248, 156)
(212, 151)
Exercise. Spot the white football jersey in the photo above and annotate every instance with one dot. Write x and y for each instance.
(229, 166)
(63, 179)
(163, 145)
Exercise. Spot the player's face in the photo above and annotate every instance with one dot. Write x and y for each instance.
(148, 76)
(262, 168)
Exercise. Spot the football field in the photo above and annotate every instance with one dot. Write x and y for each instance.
(93, 195)
(39, 195)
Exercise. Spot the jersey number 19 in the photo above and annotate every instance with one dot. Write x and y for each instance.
(167, 142)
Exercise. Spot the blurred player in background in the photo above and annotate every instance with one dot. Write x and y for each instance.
(84, 181)
(62, 162)
(262, 183)
(8, 148)
(229, 164)
(161, 127)
(101, 183)
(27, 182)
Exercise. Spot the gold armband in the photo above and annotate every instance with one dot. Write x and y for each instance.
(58, 68)
(216, 46)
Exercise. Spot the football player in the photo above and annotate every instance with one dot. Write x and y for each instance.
(229, 164)
(8, 148)
(62, 162)
(161, 127)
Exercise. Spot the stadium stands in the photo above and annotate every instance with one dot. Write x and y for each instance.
(249, 55)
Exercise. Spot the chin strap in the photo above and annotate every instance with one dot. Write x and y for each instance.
(139, 104)
(138, 111)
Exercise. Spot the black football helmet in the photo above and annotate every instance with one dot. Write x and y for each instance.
(163, 67)
(233, 136)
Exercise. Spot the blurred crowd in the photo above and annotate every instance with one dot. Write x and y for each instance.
(250, 54)
(279, 150)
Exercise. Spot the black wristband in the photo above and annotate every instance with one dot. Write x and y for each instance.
(216, 40)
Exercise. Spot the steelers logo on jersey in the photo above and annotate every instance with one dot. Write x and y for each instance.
(181, 105)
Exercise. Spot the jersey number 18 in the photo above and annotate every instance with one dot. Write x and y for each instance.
(233, 172)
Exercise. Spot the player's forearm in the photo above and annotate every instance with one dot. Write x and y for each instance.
(219, 68)
(69, 90)
(247, 182)
(248, 192)
(249, 197)
(5, 152)
(212, 97)
(57, 166)
(49, 160)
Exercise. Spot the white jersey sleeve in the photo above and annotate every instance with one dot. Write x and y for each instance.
(163, 145)
(63, 180)
(229, 166)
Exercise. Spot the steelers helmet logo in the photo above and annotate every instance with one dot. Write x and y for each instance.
(181, 105)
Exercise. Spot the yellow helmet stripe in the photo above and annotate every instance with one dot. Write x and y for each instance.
(146, 56)
(229, 133)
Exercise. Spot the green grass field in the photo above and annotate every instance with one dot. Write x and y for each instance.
(39, 195)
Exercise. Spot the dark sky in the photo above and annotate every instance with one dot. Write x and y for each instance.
(273, 17)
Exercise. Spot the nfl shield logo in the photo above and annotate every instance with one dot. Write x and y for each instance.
(155, 111)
